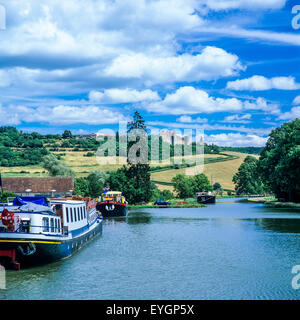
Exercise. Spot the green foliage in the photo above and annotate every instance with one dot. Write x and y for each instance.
(279, 163)
(96, 181)
(200, 183)
(81, 187)
(217, 186)
(187, 186)
(133, 180)
(92, 185)
(67, 134)
(249, 150)
(7, 194)
(56, 167)
(183, 186)
(247, 180)
(137, 123)
(161, 195)
(18, 149)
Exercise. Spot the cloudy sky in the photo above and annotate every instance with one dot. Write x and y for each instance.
(230, 67)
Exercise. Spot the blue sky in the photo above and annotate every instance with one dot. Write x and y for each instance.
(230, 67)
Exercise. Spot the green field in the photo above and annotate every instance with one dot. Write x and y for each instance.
(219, 167)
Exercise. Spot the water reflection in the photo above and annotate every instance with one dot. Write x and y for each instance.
(176, 254)
(138, 217)
(279, 225)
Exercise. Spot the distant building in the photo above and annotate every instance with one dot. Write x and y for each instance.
(173, 137)
(86, 136)
(45, 186)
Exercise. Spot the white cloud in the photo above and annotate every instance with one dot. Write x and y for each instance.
(188, 119)
(236, 140)
(262, 105)
(242, 4)
(294, 113)
(210, 127)
(189, 100)
(212, 63)
(259, 83)
(238, 118)
(60, 114)
(112, 96)
(296, 101)
(238, 32)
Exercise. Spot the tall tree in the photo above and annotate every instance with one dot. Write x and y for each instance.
(200, 183)
(138, 185)
(183, 186)
(279, 161)
(247, 180)
(67, 134)
(137, 123)
(96, 181)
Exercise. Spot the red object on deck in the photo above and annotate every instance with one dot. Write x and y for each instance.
(8, 219)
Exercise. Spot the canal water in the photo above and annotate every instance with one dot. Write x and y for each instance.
(230, 250)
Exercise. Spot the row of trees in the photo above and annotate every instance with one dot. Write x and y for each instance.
(186, 186)
(278, 168)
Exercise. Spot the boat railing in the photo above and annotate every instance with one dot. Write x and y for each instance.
(33, 229)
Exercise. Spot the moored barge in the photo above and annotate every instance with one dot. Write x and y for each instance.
(205, 197)
(34, 230)
(112, 204)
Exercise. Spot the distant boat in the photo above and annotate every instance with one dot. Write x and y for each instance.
(112, 204)
(205, 197)
(36, 230)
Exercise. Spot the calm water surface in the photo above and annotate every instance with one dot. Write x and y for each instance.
(229, 250)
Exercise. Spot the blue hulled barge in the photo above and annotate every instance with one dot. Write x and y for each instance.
(34, 230)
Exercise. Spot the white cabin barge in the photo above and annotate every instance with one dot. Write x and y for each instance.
(34, 230)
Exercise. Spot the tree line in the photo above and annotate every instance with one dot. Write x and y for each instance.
(278, 168)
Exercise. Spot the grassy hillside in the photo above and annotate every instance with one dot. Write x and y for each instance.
(222, 172)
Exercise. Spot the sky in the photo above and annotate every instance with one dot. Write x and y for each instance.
(229, 67)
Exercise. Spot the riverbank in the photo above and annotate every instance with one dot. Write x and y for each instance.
(199, 205)
(272, 202)
(174, 203)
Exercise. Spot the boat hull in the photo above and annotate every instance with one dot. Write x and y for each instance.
(206, 199)
(37, 251)
(112, 209)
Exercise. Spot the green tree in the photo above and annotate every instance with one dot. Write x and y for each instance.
(56, 167)
(217, 186)
(7, 194)
(81, 187)
(96, 181)
(183, 186)
(247, 180)
(200, 183)
(137, 185)
(137, 123)
(67, 134)
(279, 162)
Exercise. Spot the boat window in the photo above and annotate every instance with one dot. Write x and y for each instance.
(67, 213)
(55, 225)
(71, 214)
(81, 213)
(78, 214)
(75, 215)
(84, 209)
(45, 224)
(52, 224)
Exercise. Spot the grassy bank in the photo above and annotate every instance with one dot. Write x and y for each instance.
(169, 206)
(174, 203)
(272, 202)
